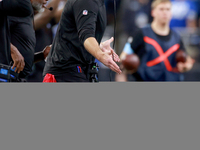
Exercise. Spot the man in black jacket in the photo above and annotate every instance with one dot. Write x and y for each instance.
(23, 41)
(77, 43)
(20, 8)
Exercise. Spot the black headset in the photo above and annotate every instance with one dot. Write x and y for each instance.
(50, 8)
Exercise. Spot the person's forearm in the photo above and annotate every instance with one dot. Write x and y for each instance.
(92, 46)
(58, 14)
(41, 19)
(13, 49)
(39, 56)
(17, 58)
(59, 11)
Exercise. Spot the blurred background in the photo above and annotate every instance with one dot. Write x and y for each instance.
(133, 14)
(130, 15)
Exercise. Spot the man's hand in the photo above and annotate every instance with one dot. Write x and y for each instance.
(184, 67)
(18, 59)
(105, 47)
(46, 51)
(105, 56)
(107, 59)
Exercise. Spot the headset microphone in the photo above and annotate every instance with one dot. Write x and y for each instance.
(51, 8)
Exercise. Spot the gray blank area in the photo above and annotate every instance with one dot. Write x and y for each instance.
(103, 116)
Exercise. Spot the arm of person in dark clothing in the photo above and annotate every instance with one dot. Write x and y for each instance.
(136, 45)
(105, 46)
(92, 46)
(86, 24)
(59, 11)
(188, 65)
(42, 18)
(85, 14)
(39, 56)
(18, 59)
(20, 8)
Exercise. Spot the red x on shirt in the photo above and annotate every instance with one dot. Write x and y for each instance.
(163, 56)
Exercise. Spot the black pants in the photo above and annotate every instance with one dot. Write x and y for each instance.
(74, 74)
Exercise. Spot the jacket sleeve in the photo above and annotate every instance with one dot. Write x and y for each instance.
(138, 44)
(19, 8)
(85, 13)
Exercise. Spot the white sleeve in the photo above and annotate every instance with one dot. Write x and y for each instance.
(127, 49)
